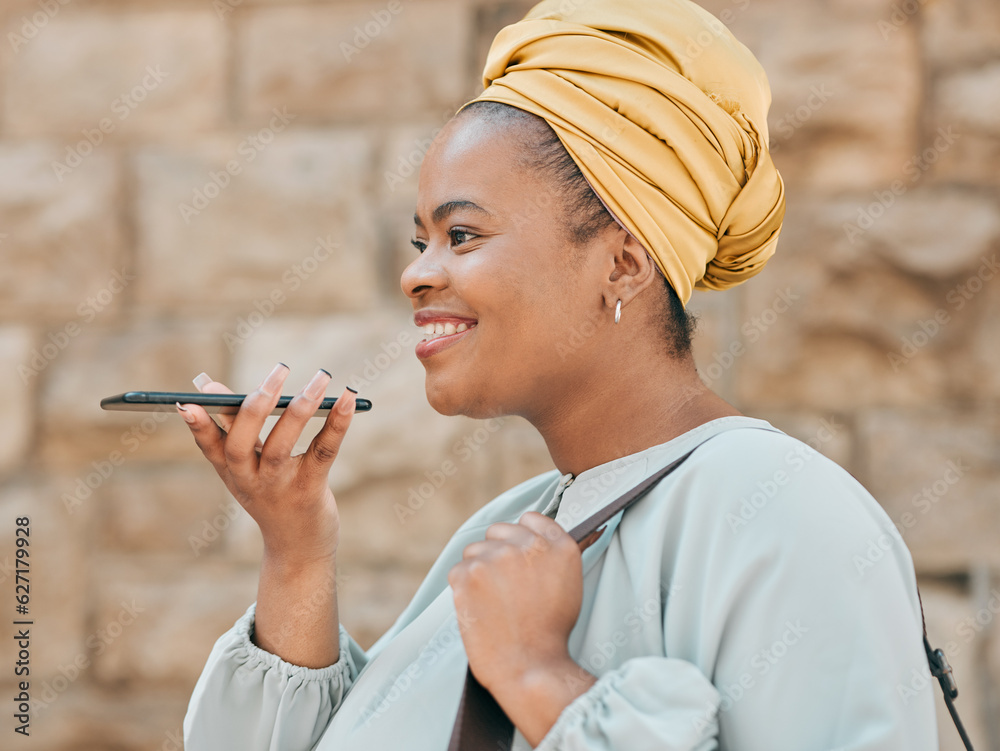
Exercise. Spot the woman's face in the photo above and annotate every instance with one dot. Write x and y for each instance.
(499, 275)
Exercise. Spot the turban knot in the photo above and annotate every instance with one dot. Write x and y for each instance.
(665, 113)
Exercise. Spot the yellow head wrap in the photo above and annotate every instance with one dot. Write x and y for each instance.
(665, 113)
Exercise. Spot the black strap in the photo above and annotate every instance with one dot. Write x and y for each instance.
(941, 670)
(481, 724)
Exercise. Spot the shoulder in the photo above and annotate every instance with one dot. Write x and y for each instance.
(759, 497)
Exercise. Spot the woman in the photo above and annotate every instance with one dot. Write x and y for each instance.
(616, 160)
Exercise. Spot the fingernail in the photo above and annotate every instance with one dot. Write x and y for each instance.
(273, 382)
(188, 417)
(202, 381)
(317, 386)
(346, 404)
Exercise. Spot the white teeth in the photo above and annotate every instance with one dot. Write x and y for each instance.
(434, 330)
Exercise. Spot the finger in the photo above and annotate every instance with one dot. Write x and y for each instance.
(326, 445)
(241, 443)
(544, 526)
(283, 436)
(206, 385)
(516, 534)
(209, 437)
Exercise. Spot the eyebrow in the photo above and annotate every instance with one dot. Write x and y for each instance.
(450, 207)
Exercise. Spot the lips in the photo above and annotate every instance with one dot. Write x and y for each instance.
(441, 331)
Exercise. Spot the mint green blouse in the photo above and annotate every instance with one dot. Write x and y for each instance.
(736, 607)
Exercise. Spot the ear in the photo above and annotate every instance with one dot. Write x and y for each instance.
(633, 271)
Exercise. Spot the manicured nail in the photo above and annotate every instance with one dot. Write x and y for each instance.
(188, 417)
(202, 381)
(346, 404)
(317, 386)
(275, 378)
(324, 370)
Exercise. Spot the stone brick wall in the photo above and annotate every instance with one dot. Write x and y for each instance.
(190, 185)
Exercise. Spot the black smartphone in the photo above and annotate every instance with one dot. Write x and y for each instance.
(226, 404)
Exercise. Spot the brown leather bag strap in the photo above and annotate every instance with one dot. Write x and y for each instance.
(481, 724)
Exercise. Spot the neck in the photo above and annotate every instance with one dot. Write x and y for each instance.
(614, 417)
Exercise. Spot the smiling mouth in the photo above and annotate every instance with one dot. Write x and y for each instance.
(436, 330)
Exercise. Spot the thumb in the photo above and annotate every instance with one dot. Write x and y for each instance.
(323, 449)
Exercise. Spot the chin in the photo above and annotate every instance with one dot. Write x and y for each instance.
(451, 399)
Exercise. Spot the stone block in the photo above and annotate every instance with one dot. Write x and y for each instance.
(970, 98)
(966, 104)
(959, 32)
(935, 474)
(60, 239)
(936, 233)
(353, 60)
(837, 121)
(16, 391)
(100, 362)
(115, 74)
(261, 224)
(158, 616)
(164, 508)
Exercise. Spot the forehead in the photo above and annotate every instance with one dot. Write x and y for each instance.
(476, 160)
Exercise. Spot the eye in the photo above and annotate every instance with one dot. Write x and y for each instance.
(420, 245)
(459, 236)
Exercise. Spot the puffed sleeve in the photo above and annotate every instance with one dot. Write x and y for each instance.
(252, 700)
(649, 703)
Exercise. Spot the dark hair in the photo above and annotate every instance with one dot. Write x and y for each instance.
(585, 213)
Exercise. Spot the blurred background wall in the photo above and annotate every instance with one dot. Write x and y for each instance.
(188, 185)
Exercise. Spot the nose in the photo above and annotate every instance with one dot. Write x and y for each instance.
(425, 273)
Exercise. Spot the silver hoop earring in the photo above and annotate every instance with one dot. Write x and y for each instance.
(618, 311)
